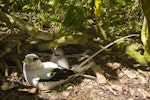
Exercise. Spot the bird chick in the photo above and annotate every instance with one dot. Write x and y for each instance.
(44, 75)
(59, 58)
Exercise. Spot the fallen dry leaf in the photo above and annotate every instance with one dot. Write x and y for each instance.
(33, 90)
(130, 73)
(145, 73)
(66, 93)
(29, 90)
(100, 78)
(114, 65)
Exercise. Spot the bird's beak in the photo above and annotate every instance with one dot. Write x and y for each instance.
(24, 61)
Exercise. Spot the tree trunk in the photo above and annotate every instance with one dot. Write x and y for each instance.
(145, 35)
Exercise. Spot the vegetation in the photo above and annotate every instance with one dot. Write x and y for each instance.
(64, 22)
(33, 26)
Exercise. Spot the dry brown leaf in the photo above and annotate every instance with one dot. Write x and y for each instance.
(142, 78)
(87, 84)
(33, 90)
(100, 78)
(120, 73)
(30, 90)
(14, 74)
(130, 73)
(145, 73)
(24, 90)
(66, 93)
(114, 65)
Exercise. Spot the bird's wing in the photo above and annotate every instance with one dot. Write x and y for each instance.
(57, 72)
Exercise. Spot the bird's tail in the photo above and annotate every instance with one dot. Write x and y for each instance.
(80, 69)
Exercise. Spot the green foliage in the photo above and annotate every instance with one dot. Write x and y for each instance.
(120, 17)
(114, 17)
(74, 17)
(99, 20)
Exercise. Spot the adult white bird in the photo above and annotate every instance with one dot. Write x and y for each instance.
(59, 58)
(44, 75)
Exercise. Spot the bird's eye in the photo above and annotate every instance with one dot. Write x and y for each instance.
(57, 54)
(35, 59)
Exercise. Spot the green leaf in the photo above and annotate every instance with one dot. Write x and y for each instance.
(54, 18)
(36, 24)
(26, 7)
(122, 2)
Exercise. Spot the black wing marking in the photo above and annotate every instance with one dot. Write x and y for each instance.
(59, 74)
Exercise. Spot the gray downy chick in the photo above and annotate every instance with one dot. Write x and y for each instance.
(59, 58)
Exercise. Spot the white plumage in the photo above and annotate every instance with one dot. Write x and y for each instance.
(46, 75)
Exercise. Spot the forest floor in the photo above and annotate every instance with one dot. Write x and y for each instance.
(125, 80)
(125, 83)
